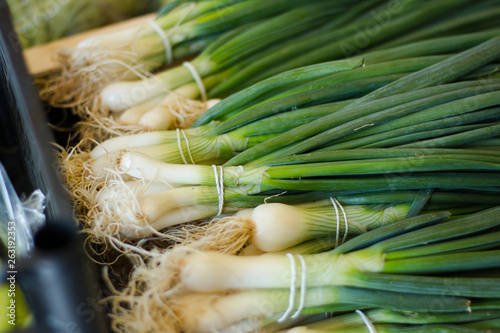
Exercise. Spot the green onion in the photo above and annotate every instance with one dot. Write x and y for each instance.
(267, 303)
(360, 269)
(412, 133)
(380, 25)
(225, 189)
(441, 72)
(133, 53)
(114, 96)
(369, 259)
(254, 65)
(219, 189)
(203, 147)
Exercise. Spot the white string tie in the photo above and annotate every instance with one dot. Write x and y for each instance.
(187, 146)
(367, 321)
(219, 184)
(165, 40)
(293, 280)
(303, 286)
(336, 204)
(197, 78)
(337, 216)
(346, 222)
(179, 145)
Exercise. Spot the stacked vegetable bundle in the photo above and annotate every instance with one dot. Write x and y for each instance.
(414, 268)
(237, 60)
(258, 40)
(391, 140)
(181, 30)
(260, 153)
(292, 163)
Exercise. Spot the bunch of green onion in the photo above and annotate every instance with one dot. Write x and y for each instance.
(188, 27)
(431, 268)
(277, 95)
(156, 205)
(229, 51)
(311, 103)
(304, 163)
(224, 68)
(343, 173)
(180, 30)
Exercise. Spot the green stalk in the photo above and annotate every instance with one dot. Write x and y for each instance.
(486, 304)
(386, 232)
(317, 245)
(354, 298)
(441, 134)
(283, 26)
(484, 97)
(465, 22)
(484, 144)
(457, 227)
(250, 71)
(484, 181)
(370, 153)
(437, 198)
(423, 196)
(450, 262)
(400, 317)
(460, 139)
(485, 324)
(425, 163)
(455, 286)
(395, 328)
(239, 99)
(440, 45)
(407, 134)
(441, 72)
(323, 89)
(287, 120)
(444, 71)
(459, 244)
(376, 30)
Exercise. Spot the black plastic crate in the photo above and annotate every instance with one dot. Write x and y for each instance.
(59, 281)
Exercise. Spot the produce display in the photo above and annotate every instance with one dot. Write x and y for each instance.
(291, 166)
